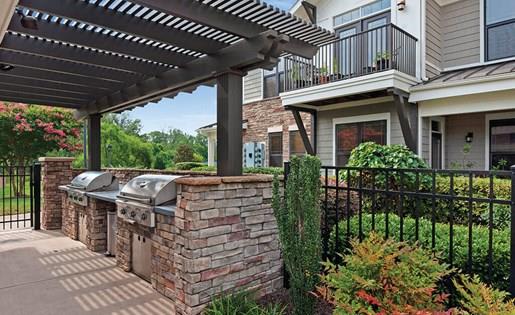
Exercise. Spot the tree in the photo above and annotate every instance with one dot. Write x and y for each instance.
(184, 154)
(125, 122)
(123, 149)
(28, 132)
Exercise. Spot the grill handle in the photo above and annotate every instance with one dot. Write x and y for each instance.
(76, 187)
(142, 200)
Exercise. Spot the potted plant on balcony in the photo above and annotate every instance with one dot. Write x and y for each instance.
(322, 75)
(336, 71)
(295, 76)
(382, 60)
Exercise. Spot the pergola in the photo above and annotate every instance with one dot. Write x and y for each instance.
(101, 56)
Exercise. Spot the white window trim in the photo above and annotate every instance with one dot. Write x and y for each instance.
(293, 128)
(275, 129)
(488, 118)
(441, 120)
(362, 118)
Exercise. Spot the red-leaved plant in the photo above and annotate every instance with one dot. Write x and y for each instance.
(385, 278)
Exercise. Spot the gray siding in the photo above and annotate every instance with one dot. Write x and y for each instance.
(253, 86)
(456, 128)
(433, 37)
(425, 139)
(460, 33)
(325, 126)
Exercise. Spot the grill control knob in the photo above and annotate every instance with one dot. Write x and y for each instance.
(123, 211)
(143, 216)
(133, 214)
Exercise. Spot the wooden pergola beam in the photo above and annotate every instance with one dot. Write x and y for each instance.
(242, 56)
(80, 55)
(76, 36)
(227, 22)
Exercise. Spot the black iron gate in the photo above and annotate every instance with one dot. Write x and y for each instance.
(20, 197)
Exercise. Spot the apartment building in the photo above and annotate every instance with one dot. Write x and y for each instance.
(435, 75)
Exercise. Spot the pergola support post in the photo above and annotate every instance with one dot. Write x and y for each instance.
(229, 127)
(94, 163)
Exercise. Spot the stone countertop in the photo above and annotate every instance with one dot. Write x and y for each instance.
(109, 196)
(166, 210)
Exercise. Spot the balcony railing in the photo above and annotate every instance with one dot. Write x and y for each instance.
(384, 48)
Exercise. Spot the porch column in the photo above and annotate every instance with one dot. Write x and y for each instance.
(229, 124)
(94, 142)
(211, 148)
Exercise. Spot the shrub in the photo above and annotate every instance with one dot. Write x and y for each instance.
(186, 166)
(500, 248)
(241, 303)
(373, 155)
(480, 210)
(264, 170)
(384, 277)
(204, 168)
(298, 218)
(477, 298)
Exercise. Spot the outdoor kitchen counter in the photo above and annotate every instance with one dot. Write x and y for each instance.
(109, 196)
(166, 210)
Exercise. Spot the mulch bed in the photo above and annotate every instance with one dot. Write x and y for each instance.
(282, 297)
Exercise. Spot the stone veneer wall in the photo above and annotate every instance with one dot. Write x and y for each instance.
(55, 171)
(223, 237)
(96, 221)
(226, 238)
(270, 113)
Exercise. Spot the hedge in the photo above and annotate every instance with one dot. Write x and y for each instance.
(480, 235)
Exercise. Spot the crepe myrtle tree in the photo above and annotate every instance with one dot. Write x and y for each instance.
(28, 132)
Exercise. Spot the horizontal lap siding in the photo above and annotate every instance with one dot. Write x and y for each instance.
(456, 128)
(460, 33)
(425, 139)
(325, 126)
(253, 86)
(433, 38)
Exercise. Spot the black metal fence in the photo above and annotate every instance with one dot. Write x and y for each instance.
(383, 48)
(20, 197)
(466, 217)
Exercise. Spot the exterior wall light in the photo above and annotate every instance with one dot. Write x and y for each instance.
(469, 137)
(5, 67)
(401, 5)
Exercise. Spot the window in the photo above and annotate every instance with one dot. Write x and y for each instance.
(275, 149)
(502, 143)
(360, 12)
(499, 29)
(349, 136)
(273, 80)
(296, 144)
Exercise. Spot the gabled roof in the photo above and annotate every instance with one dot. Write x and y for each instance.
(113, 55)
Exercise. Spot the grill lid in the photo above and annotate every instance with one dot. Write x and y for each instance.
(150, 189)
(92, 180)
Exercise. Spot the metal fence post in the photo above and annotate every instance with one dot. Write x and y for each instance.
(37, 195)
(512, 233)
(286, 172)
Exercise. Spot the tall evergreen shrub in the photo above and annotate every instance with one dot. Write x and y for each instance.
(298, 218)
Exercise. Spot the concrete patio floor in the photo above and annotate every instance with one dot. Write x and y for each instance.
(46, 273)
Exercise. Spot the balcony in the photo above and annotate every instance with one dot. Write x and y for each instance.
(376, 50)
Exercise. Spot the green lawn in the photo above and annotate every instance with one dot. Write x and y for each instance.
(9, 204)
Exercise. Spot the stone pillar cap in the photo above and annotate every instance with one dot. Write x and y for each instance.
(56, 159)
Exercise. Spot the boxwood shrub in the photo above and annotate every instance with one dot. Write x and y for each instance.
(500, 250)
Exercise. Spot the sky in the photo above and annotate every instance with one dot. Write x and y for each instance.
(186, 112)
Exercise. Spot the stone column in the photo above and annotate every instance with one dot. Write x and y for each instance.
(55, 171)
(225, 238)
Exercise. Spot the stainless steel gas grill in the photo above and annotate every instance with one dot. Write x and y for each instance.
(89, 182)
(140, 196)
